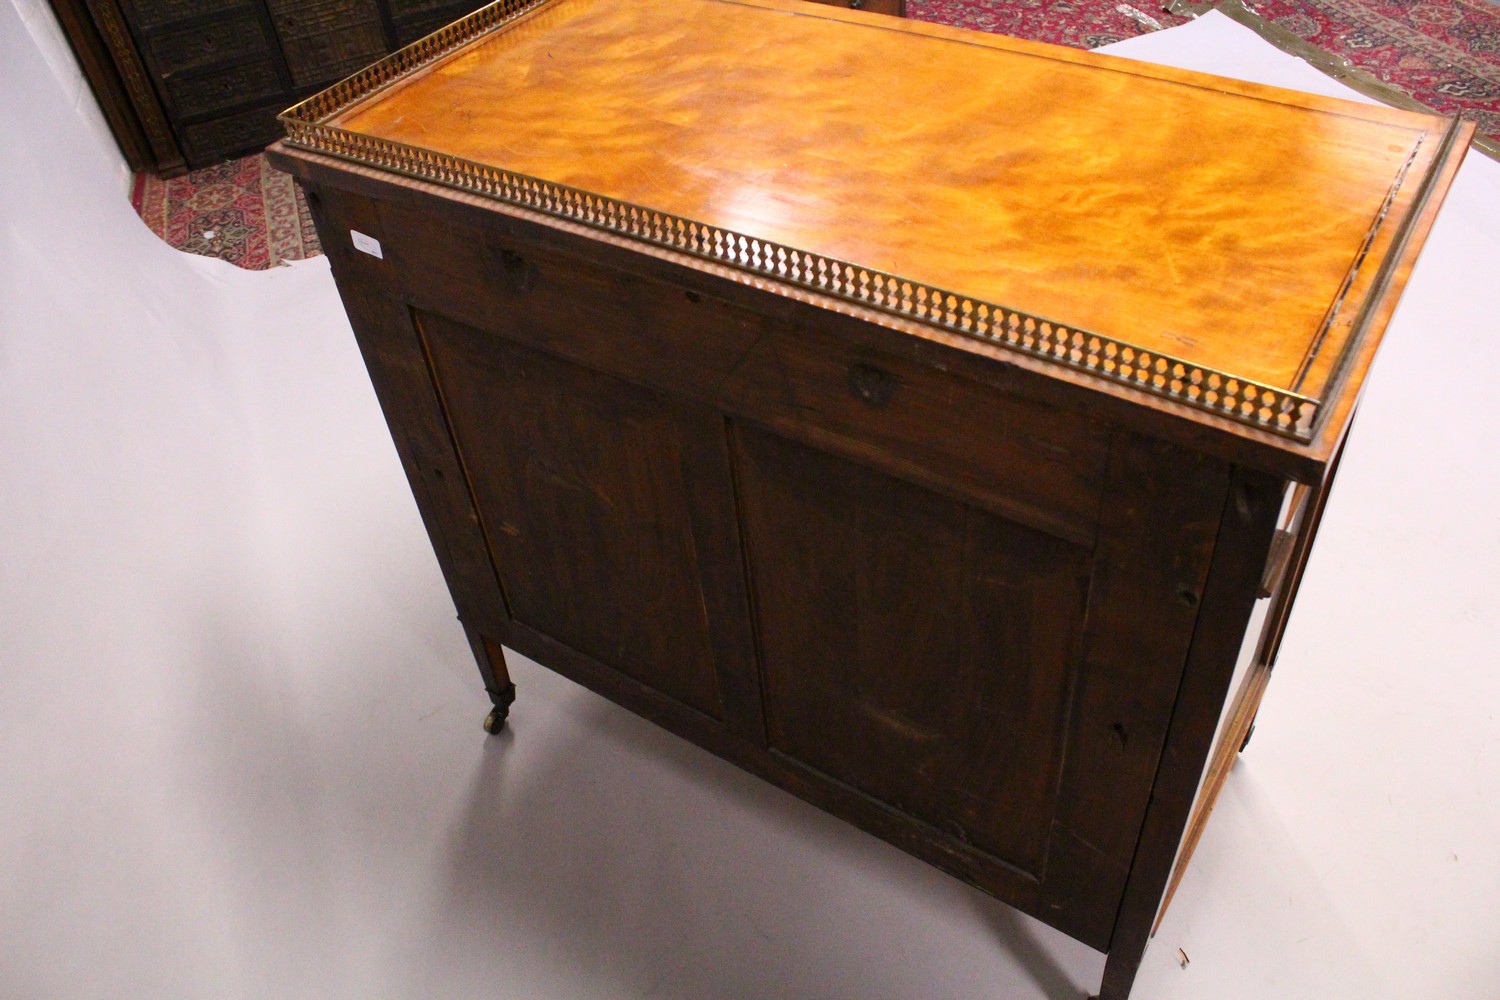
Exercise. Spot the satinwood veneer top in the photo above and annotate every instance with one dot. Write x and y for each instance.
(1234, 248)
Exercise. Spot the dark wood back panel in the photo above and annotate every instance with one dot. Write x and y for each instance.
(583, 485)
(925, 553)
(913, 646)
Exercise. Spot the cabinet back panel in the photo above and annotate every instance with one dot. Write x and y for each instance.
(582, 484)
(913, 646)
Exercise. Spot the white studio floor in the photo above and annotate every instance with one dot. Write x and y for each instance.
(240, 744)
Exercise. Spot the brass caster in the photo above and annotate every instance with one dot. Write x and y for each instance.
(495, 721)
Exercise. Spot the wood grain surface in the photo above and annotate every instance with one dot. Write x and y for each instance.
(1215, 221)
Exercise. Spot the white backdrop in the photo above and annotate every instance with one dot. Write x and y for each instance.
(240, 752)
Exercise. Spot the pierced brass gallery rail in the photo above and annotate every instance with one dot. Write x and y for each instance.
(308, 126)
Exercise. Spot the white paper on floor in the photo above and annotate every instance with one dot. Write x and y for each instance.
(240, 752)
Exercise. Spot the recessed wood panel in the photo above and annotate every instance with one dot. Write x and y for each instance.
(584, 484)
(913, 646)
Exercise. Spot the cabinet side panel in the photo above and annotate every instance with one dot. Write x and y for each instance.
(1160, 514)
(582, 482)
(398, 369)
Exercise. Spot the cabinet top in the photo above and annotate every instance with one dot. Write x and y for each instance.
(1231, 248)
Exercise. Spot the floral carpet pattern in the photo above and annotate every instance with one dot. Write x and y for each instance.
(1443, 53)
(241, 211)
(1082, 24)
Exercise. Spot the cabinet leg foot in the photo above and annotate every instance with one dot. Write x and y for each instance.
(491, 658)
(503, 699)
(1120, 967)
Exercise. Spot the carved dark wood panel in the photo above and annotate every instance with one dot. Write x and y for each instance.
(243, 130)
(324, 40)
(238, 36)
(205, 93)
(104, 78)
(411, 25)
(415, 8)
(152, 13)
(100, 33)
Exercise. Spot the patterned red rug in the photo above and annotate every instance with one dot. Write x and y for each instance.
(1445, 54)
(1083, 24)
(241, 211)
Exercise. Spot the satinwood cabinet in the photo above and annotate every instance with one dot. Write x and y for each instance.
(926, 459)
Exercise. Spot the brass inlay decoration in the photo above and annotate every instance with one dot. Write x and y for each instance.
(1257, 404)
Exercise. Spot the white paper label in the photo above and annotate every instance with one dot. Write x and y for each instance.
(366, 244)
